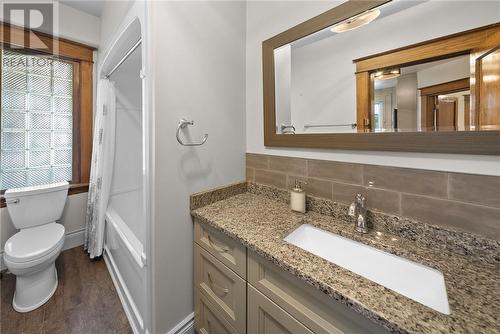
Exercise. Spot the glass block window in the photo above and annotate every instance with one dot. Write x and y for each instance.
(36, 120)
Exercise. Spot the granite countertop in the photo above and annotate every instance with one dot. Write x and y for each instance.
(261, 223)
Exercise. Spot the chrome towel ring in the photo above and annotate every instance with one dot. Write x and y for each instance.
(182, 124)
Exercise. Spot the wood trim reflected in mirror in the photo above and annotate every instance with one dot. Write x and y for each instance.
(429, 96)
(474, 42)
(471, 42)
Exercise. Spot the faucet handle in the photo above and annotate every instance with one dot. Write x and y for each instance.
(360, 200)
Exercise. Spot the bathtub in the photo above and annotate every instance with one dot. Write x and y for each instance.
(125, 259)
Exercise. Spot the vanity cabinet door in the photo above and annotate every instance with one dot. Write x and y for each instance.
(206, 320)
(265, 317)
(317, 311)
(225, 290)
(224, 249)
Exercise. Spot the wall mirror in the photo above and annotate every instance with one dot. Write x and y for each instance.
(387, 75)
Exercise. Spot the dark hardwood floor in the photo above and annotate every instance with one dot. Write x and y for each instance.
(85, 302)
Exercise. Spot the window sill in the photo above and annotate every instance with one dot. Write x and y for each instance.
(76, 188)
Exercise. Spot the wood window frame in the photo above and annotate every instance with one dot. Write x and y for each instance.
(460, 142)
(81, 56)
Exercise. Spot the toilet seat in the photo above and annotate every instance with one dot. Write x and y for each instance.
(32, 245)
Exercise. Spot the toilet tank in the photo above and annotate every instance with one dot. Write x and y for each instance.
(36, 205)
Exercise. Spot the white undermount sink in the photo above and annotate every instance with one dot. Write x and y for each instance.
(413, 280)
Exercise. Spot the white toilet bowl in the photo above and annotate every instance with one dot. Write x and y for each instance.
(30, 254)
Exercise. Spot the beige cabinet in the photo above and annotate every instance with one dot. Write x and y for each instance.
(265, 317)
(224, 249)
(317, 311)
(207, 320)
(225, 290)
(238, 291)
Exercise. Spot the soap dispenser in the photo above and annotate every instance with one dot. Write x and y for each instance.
(298, 197)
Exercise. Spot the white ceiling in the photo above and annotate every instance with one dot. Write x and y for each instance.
(92, 7)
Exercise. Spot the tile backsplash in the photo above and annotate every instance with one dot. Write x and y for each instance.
(465, 202)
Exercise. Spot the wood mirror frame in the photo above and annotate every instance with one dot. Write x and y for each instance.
(477, 43)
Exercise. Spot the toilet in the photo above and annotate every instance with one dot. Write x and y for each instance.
(30, 254)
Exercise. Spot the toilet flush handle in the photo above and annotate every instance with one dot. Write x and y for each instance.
(13, 201)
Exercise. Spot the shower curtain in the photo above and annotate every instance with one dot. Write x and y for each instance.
(101, 170)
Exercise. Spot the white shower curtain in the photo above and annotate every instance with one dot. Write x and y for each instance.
(101, 171)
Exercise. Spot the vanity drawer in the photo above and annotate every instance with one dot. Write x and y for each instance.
(225, 290)
(226, 250)
(265, 317)
(206, 320)
(317, 311)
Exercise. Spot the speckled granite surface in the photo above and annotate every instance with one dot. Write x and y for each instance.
(204, 198)
(261, 223)
(425, 235)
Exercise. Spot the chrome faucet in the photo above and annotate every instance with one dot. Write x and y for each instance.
(358, 210)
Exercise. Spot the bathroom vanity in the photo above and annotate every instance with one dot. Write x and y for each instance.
(238, 291)
(249, 279)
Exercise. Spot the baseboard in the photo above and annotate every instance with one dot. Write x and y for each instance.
(186, 326)
(71, 240)
(126, 300)
(74, 239)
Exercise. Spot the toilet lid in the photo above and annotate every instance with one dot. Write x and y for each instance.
(33, 243)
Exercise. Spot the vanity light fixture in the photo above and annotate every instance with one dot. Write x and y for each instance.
(446, 98)
(356, 21)
(388, 74)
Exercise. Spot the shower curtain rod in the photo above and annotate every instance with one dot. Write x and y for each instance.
(124, 58)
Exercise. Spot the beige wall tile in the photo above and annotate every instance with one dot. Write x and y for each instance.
(413, 181)
(383, 200)
(345, 193)
(257, 161)
(479, 189)
(376, 199)
(250, 173)
(288, 165)
(466, 217)
(314, 187)
(333, 170)
(270, 178)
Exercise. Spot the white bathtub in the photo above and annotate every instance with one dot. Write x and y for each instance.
(128, 204)
(125, 259)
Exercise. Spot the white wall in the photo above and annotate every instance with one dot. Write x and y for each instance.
(199, 67)
(83, 28)
(406, 102)
(113, 13)
(268, 18)
(79, 26)
(388, 97)
(283, 70)
(455, 69)
(74, 25)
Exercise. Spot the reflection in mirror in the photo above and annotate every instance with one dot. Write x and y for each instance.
(433, 96)
(319, 88)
